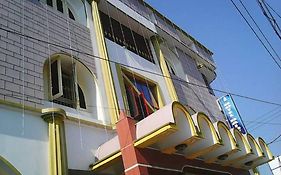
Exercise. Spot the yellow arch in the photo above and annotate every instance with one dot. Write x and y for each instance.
(160, 133)
(246, 145)
(188, 116)
(231, 137)
(7, 166)
(203, 116)
(268, 152)
(257, 147)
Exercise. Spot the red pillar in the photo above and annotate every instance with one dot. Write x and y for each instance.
(126, 131)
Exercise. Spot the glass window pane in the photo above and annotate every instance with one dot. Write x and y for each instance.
(59, 6)
(55, 78)
(50, 3)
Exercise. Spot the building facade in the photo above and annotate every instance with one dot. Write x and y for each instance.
(110, 87)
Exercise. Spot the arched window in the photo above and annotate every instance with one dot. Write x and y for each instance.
(74, 9)
(70, 83)
(7, 168)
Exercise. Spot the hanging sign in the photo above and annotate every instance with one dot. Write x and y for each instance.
(229, 109)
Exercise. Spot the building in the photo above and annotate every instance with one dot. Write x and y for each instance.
(275, 165)
(110, 87)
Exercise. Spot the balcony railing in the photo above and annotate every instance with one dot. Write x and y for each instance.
(163, 23)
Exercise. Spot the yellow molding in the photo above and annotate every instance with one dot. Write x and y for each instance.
(20, 106)
(211, 126)
(155, 136)
(89, 123)
(106, 161)
(257, 147)
(105, 65)
(11, 167)
(164, 68)
(139, 76)
(231, 138)
(269, 153)
(57, 143)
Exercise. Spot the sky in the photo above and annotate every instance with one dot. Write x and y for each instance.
(243, 65)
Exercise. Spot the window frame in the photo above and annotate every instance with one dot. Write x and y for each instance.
(59, 71)
(76, 99)
(157, 95)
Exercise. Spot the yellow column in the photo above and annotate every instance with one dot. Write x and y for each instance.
(256, 171)
(105, 65)
(57, 146)
(171, 89)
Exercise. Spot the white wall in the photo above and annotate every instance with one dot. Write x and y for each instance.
(82, 141)
(119, 54)
(25, 146)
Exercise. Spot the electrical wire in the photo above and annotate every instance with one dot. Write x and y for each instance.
(274, 59)
(265, 123)
(269, 17)
(260, 30)
(272, 9)
(267, 120)
(147, 71)
(274, 140)
(262, 117)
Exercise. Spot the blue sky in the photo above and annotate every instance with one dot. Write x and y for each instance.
(243, 65)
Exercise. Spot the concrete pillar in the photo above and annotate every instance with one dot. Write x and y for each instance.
(126, 131)
(156, 41)
(57, 145)
(105, 65)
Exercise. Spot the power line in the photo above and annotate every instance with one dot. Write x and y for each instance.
(269, 17)
(272, 9)
(270, 117)
(263, 116)
(260, 30)
(256, 34)
(265, 123)
(274, 140)
(147, 71)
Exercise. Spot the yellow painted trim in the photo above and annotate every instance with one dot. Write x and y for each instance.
(211, 126)
(188, 117)
(155, 136)
(12, 168)
(231, 138)
(256, 171)
(159, 97)
(105, 161)
(164, 68)
(149, 81)
(19, 106)
(257, 147)
(246, 144)
(122, 87)
(194, 135)
(57, 143)
(269, 153)
(89, 123)
(105, 65)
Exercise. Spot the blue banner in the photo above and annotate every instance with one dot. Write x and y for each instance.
(230, 111)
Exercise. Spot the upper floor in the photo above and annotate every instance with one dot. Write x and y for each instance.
(62, 64)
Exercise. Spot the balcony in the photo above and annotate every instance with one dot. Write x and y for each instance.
(173, 134)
